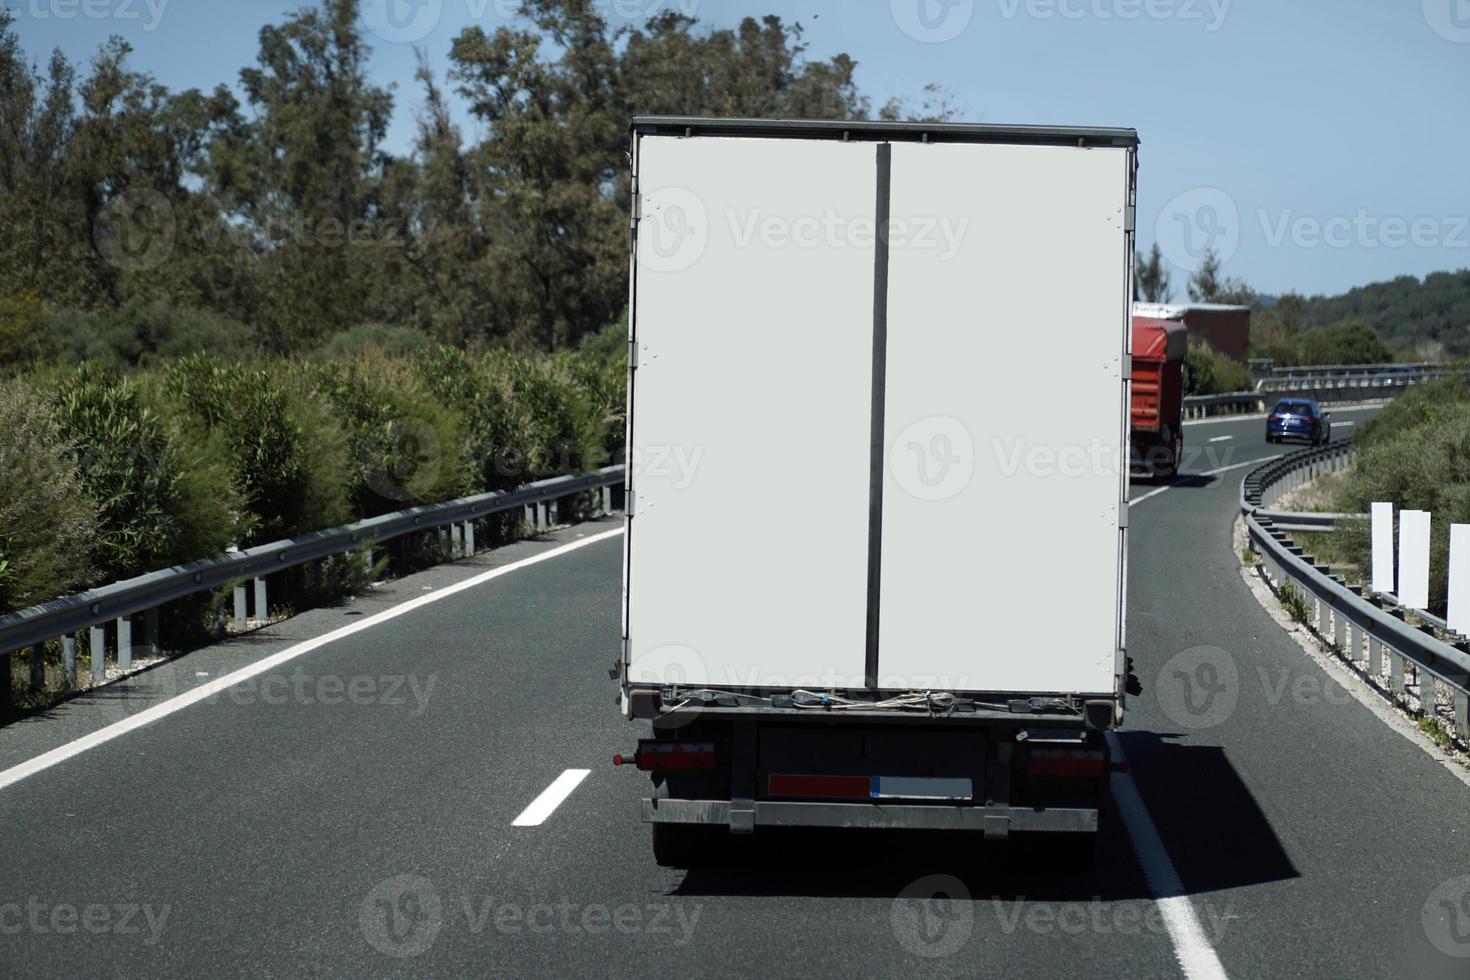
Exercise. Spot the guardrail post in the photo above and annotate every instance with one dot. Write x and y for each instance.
(262, 609)
(239, 608)
(68, 663)
(124, 643)
(150, 632)
(1323, 611)
(1426, 692)
(1339, 630)
(38, 668)
(1396, 672)
(553, 512)
(1375, 658)
(98, 637)
(606, 500)
(469, 539)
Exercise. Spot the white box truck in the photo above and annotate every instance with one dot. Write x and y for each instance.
(878, 462)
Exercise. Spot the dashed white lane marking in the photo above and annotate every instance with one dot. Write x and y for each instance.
(1222, 438)
(1344, 425)
(219, 685)
(1224, 469)
(1197, 958)
(551, 798)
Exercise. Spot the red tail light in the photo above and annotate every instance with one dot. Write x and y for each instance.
(654, 756)
(828, 787)
(1273, 418)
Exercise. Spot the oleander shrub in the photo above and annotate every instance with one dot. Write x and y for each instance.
(403, 446)
(48, 525)
(283, 445)
(161, 497)
(492, 447)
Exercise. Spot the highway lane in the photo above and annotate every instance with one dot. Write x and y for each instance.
(1289, 809)
(277, 834)
(283, 835)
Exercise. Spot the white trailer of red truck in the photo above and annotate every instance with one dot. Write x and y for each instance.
(878, 460)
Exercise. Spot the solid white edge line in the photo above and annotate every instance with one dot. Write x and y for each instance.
(1222, 438)
(551, 798)
(1224, 469)
(1197, 958)
(165, 708)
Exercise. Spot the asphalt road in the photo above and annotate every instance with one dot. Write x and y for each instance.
(353, 811)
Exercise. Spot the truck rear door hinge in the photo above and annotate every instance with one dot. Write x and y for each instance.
(1130, 218)
(633, 354)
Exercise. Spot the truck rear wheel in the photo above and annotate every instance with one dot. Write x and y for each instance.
(1053, 853)
(679, 845)
(682, 845)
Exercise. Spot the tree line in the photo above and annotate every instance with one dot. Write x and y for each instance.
(274, 208)
(1359, 328)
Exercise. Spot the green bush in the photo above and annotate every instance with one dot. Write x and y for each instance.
(47, 524)
(1416, 407)
(283, 448)
(381, 338)
(160, 497)
(22, 323)
(482, 395)
(1344, 342)
(178, 460)
(1424, 466)
(1209, 373)
(559, 432)
(143, 333)
(404, 447)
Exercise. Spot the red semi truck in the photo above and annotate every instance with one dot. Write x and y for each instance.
(1157, 402)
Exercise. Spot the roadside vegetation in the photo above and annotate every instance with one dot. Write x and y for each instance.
(1416, 455)
(104, 476)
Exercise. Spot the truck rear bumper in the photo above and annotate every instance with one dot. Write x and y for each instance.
(995, 821)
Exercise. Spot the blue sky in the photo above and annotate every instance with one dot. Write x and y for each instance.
(1319, 144)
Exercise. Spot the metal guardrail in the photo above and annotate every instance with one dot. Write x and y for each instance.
(1359, 622)
(1328, 384)
(1235, 403)
(92, 610)
(1338, 370)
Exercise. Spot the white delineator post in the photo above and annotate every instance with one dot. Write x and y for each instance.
(1414, 559)
(1458, 612)
(1382, 547)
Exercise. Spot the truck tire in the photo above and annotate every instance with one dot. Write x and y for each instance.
(1053, 854)
(678, 845)
(682, 845)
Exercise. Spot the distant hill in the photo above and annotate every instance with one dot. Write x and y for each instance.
(1429, 320)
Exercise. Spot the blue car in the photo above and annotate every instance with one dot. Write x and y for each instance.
(1299, 418)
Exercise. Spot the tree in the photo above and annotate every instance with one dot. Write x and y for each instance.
(1208, 286)
(1151, 277)
(306, 174)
